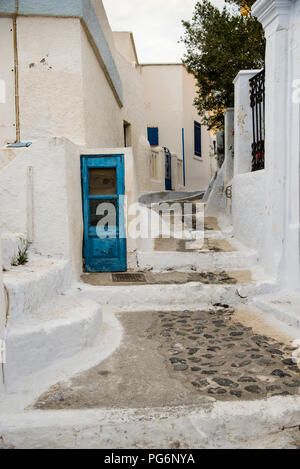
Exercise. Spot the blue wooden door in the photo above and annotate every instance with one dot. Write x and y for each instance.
(168, 170)
(103, 188)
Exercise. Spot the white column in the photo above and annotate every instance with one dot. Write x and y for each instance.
(228, 144)
(242, 122)
(292, 209)
(274, 16)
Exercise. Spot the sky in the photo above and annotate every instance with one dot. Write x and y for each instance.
(156, 25)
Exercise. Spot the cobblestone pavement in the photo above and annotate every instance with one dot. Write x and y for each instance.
(224, 358)
(178, 358)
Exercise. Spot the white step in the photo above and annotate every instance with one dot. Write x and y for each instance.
(159, 261)
(267, 424)
(283, 305)
(172, 296)
(35, 283)
(57, 331)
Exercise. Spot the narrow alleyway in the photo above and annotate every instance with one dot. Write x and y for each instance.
(180, 338)
(215, 350)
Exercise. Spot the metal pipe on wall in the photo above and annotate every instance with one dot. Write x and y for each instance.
(16, 65)
(30, 204)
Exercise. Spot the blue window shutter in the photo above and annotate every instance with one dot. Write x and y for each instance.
(153, 135)
(197, 136)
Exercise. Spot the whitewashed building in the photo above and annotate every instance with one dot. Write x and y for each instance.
(173, 122)
(71, 87)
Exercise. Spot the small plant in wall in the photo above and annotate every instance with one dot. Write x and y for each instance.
(22, 257)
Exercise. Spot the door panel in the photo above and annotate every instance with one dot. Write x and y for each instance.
(103, 181)
(103, 211)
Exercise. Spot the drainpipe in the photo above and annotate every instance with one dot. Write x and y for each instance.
(17, 143)
(183, 157)
(16, 62)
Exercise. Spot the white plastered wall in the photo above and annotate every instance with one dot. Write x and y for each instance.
(2, 304)
(163, 99)
(50, 78)
(2, 320)
(248, 188)
(217, 202)
(57, 210)
(102, 115)
(134, 113)
(199, 170)
(124, 43)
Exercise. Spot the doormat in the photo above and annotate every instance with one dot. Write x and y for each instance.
(128, 278)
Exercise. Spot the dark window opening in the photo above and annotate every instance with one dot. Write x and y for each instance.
(197, 136)
(153, 136)
(127, 134)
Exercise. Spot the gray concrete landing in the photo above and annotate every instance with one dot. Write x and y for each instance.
(168, 278)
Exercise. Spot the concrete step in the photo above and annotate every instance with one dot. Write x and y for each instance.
(31, 285)
(267, 424)
(58, 330)
(162, 261)
(283, 305)
(169, 197)
(185, 296)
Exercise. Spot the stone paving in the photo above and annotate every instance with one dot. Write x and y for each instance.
(224, 358)
(178, 358)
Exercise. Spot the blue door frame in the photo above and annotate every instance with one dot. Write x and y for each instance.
(104, 246)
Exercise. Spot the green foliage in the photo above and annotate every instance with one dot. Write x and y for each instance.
(22, 257)
(218, 45)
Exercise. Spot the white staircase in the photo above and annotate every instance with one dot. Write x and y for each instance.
(161, 261)
(47, 322)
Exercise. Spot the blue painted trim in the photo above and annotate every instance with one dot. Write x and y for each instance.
(183, 157)
(82, 9)
(8, 7)
(102, 197)
(51, 7)
(19, 145)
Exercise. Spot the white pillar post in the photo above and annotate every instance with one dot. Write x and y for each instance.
(243, 132)
(228, 144)
(274, 16)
